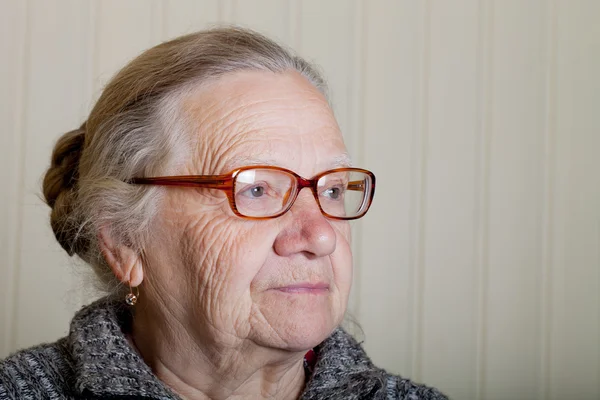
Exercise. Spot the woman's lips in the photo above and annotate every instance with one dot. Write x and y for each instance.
(309, 288)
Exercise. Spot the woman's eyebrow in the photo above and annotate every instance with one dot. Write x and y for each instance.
(341, 161)
(242, 161)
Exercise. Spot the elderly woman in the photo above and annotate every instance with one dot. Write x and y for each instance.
(210, 189)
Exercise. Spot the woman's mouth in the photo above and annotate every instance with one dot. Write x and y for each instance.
(308, 288)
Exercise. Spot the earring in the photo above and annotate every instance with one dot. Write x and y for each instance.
(131, 298)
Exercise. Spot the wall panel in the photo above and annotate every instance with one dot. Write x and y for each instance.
(186, 16)
(319, 42)
(449, 271)
(54, 92)
(271, 17)
(391, 72)
(516, 160)
(122, 31)
(575, 362)
(13, 24)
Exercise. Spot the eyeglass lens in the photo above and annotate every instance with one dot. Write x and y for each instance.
(262, 192)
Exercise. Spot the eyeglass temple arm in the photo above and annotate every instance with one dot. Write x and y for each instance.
(211, 181)
(359, 186)
(206, 181)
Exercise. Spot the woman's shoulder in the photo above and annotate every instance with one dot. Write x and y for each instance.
(401, 388)
(344, 369)
(38, 372)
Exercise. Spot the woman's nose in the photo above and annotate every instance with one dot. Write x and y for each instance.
(305, 229)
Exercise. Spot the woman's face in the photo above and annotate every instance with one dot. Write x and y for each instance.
(228, 279)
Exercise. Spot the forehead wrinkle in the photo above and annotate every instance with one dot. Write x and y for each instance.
(341, 161)
(223, 140)
(275, 85)
(233, 107)
(262, 149)
(223, 163)
(219, 152)
(226, 118)
(235, 101)
(245, 112)
(233, 138)
(248, 121)
(258, 148)
(212, 136)
(253, 121)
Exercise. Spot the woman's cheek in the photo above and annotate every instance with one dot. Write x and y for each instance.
(239, 252)
(342, 262)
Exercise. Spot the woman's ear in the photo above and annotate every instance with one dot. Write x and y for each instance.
(125, 263)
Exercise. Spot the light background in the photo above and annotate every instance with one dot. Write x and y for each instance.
(478, 267)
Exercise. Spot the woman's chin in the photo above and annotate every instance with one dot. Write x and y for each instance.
(305, 337)
(301, 322)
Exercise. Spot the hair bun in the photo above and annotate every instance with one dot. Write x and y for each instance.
(60, 179)
(64, 166)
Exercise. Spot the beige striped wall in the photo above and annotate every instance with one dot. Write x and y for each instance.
(478, 268)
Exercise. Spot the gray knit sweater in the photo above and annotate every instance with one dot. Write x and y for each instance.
(95, 361)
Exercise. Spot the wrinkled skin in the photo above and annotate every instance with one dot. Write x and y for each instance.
(211, 321)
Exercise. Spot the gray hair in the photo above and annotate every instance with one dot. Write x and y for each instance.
(136, 129)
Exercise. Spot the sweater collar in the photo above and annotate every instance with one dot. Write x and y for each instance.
(106, 365)
(344, 371)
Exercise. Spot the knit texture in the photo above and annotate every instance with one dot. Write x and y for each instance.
(95, 361)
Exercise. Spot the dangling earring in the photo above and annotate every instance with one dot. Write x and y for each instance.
(131, 298)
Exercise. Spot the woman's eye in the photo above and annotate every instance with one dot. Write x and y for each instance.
(257, 191)
(334, 193)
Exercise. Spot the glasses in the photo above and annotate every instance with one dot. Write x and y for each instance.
(262, 192)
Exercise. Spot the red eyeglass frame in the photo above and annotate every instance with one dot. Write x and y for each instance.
(225, 182)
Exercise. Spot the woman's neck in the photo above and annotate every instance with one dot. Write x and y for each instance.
(196, 371)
